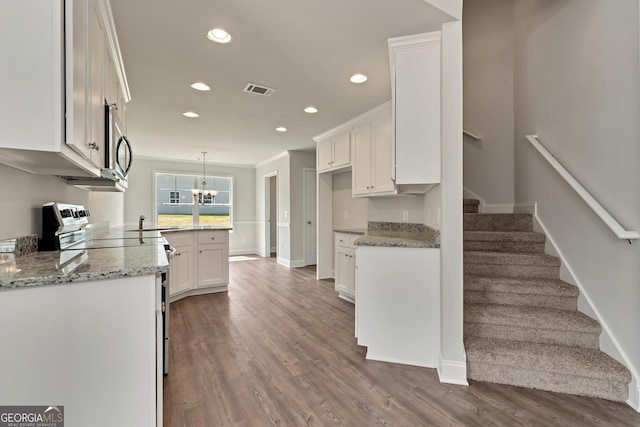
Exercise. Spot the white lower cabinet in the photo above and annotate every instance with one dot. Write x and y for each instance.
(182, 263)
(200, 264)
(90, 346)
(345, 266)
(398, 304)
(213, 258)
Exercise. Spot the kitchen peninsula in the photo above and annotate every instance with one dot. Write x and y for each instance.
(90, 335)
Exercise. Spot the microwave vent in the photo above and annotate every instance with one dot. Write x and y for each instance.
(259, 90)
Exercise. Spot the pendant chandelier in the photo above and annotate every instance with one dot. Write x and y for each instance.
(199, 194)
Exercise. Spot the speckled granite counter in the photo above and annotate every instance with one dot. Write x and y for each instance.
(21, 267)
(396, 234)
(42, 268)
(360, 231)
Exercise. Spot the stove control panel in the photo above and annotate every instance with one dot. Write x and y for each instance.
(59, 222)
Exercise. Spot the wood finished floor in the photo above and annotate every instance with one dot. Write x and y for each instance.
(278, 350)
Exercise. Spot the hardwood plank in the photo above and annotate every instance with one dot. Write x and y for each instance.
(278, 349)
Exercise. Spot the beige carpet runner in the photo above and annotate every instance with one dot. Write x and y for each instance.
(521, 323)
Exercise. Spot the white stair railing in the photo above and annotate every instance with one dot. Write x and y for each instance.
(582, 192)
(476, 137)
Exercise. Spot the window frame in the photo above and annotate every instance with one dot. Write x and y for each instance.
(197, 180)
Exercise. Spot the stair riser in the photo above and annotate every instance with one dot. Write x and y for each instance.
(503, 246)
(544, 336)
(552, 381)
(513, 271)
(469, 209)
(506, 298)
(489, 222)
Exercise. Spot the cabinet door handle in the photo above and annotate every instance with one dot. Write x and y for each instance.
(213, 238)
(94, 146)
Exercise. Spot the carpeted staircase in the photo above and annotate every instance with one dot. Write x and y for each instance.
(521, 323)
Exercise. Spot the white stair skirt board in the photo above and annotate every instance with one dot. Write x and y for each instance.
(616, 352)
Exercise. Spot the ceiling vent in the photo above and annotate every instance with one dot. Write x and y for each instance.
(259, 90)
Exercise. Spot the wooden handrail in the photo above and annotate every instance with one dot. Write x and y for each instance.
(582, 192)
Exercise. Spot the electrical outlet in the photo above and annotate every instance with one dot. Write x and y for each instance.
(405, 215)
(346, 214)
(438, 217)
(286, 214)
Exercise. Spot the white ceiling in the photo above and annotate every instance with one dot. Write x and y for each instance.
(305, 49)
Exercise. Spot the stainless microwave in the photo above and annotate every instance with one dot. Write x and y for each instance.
(118, 154)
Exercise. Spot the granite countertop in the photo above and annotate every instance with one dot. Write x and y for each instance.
(21, 266)
(351, 230)
(396, 234)
(43, 268)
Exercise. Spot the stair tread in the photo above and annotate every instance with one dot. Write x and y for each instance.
(510, 258)
(491, 236)
(530, 317)
(545, 357)
(520, 286)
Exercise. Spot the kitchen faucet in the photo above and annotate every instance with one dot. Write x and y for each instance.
(141, 222)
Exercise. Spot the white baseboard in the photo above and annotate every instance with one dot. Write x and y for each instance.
(452, 371)
(297, 263)
(634, 394)
(248, 251)
(284, 261)
(613, 348)
(484, 207)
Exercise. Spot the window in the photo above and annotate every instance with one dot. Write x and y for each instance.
(178, 205)
(174, 197)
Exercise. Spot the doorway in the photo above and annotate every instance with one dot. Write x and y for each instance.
(310, 214)
(271, 215)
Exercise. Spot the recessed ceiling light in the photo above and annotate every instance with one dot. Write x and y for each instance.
(219, 35)
(281, 129)
(190, 114)
(358, 78)
(311, 110)
(200, 86)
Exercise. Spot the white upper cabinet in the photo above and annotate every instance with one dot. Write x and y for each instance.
(415, 81)
(56, 84)
(333, 151)
(372, 155)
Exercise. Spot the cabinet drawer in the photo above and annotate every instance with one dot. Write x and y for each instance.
(217, 236)
(346, 240)
(180, 238)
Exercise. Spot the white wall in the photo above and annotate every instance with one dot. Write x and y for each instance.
(356, 208)
(433, 207)
(273, 213)
(577, 87)
(22, 196)
(139, 198)
(279, 165)
(390, 209)
(488, 43)
(452, 366)
(298, 161)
